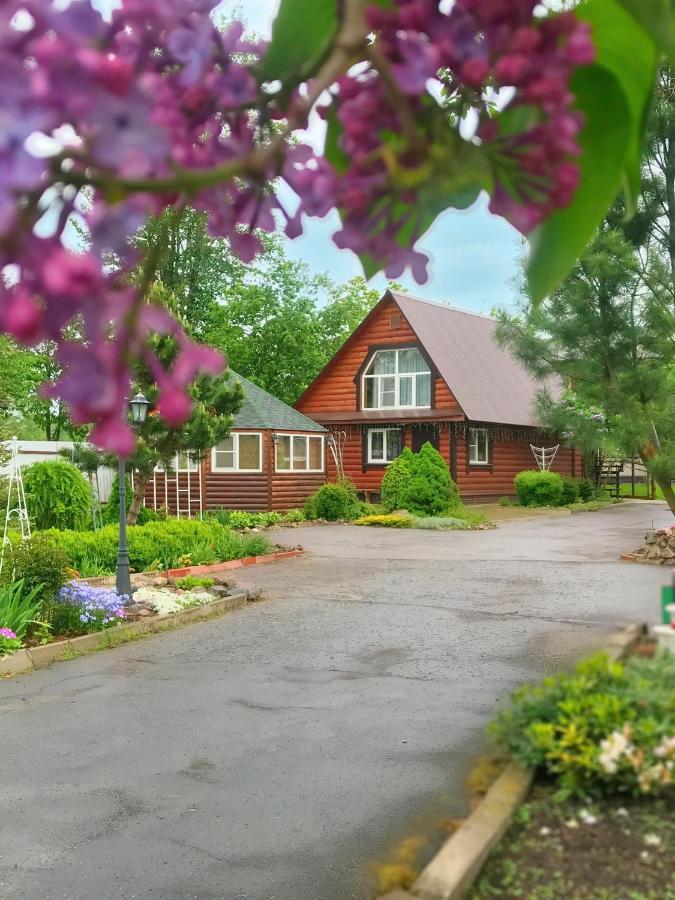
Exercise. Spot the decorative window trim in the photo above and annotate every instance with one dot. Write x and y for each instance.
(230, 469)
(293, 470)
(478, 432)
(396, 375)
(368, 455)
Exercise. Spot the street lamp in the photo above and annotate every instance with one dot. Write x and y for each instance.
(139, 411)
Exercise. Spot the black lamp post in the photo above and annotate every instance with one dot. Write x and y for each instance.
(139, 411)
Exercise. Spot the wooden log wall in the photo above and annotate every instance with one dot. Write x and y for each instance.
(250, 491)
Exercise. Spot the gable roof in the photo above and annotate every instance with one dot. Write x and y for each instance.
(262, 410)
(488, 382)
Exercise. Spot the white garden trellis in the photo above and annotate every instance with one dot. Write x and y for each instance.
(20, 510)
(544, 456)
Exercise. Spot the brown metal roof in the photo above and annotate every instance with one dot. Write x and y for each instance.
(488, 382)
(389, 415)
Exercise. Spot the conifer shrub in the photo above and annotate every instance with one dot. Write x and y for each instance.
(539, 488)
(586, 490)
(570, 492)
(58, 495)
(396, 480)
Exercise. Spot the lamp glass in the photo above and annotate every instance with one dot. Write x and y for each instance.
(139, 409)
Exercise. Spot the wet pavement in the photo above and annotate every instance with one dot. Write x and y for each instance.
(277, 753)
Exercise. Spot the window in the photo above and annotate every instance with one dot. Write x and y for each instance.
(299, 453)
(182, 462)
(478, 447)
(239, 452)
(384, 444)
(397, 378)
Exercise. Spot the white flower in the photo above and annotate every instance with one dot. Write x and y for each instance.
(572, 823)
(644, 856)
(665, 748)
(613, 748)
(587, 818)
(622, 811)
(652, 840)
(543, 831)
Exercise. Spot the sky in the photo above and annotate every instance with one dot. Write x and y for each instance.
(475, 257)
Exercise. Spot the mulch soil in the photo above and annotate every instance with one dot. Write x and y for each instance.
(616, 849)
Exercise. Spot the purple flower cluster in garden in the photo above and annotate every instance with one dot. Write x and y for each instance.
(7, 633)
(158, 108)
(99, 606)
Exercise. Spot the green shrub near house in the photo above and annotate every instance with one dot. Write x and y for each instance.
(419, 482)
(396, 479)
(57, 495)
(334, 501)
(539, 488)
(570, 492)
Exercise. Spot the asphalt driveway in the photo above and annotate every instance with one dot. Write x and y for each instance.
(279, 752)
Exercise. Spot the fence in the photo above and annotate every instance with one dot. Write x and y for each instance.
(38, 451)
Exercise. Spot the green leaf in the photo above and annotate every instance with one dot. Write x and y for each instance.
(301, 36)
(629, 54)
(605, 141)
(332, 149)
(655, 17)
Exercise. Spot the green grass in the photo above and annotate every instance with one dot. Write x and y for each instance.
(641, 490)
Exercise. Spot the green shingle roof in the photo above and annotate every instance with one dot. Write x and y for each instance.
(262, 410)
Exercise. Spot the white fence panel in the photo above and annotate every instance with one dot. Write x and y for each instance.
(39, 451)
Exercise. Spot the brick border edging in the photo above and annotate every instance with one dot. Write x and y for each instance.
(457, 864)
(36, 657)
(230, 564)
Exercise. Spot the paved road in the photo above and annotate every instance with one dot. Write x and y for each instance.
(279, 752)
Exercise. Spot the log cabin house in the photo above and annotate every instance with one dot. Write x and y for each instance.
(417, 371)
(273, 459)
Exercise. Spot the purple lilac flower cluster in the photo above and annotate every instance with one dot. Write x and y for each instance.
(476, 45)
(158, 107)
(99, 606)
(7, 633)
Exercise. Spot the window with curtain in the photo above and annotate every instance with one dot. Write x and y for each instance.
(239, 452)
(396, 379)
(384, 444)
(299, 453)
(478, 447)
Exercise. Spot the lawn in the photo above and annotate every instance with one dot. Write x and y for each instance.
(641, 490)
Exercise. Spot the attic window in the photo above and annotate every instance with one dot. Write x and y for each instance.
(395, 321)
(395, 379)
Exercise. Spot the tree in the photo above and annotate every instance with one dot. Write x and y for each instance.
(279, 325)
(609, 330)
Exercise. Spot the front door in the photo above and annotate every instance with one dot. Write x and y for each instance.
(423, 433)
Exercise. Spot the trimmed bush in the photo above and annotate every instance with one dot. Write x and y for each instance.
(58, 495)
(570, 492)
(586, 490)
(535, 488)
(398, 473)
(333, 501)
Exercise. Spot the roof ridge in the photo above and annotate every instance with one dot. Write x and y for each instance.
(442, 305)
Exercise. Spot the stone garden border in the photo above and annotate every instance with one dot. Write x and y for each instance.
(457, 864)
(37, 657)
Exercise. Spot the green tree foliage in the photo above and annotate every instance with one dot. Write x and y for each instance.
(58, 495)
(609, 330)
(39, 563)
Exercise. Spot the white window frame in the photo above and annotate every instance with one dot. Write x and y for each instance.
(383, 431)
(299, 437)
(193, 464)
(396, 375)
(475, 435)
(236, 435)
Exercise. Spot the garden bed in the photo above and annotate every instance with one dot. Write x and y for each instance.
(621, 848)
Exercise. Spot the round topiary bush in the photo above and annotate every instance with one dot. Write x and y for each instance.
(535, 488)
(58, 495)
(396, 479)
(335, 500)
